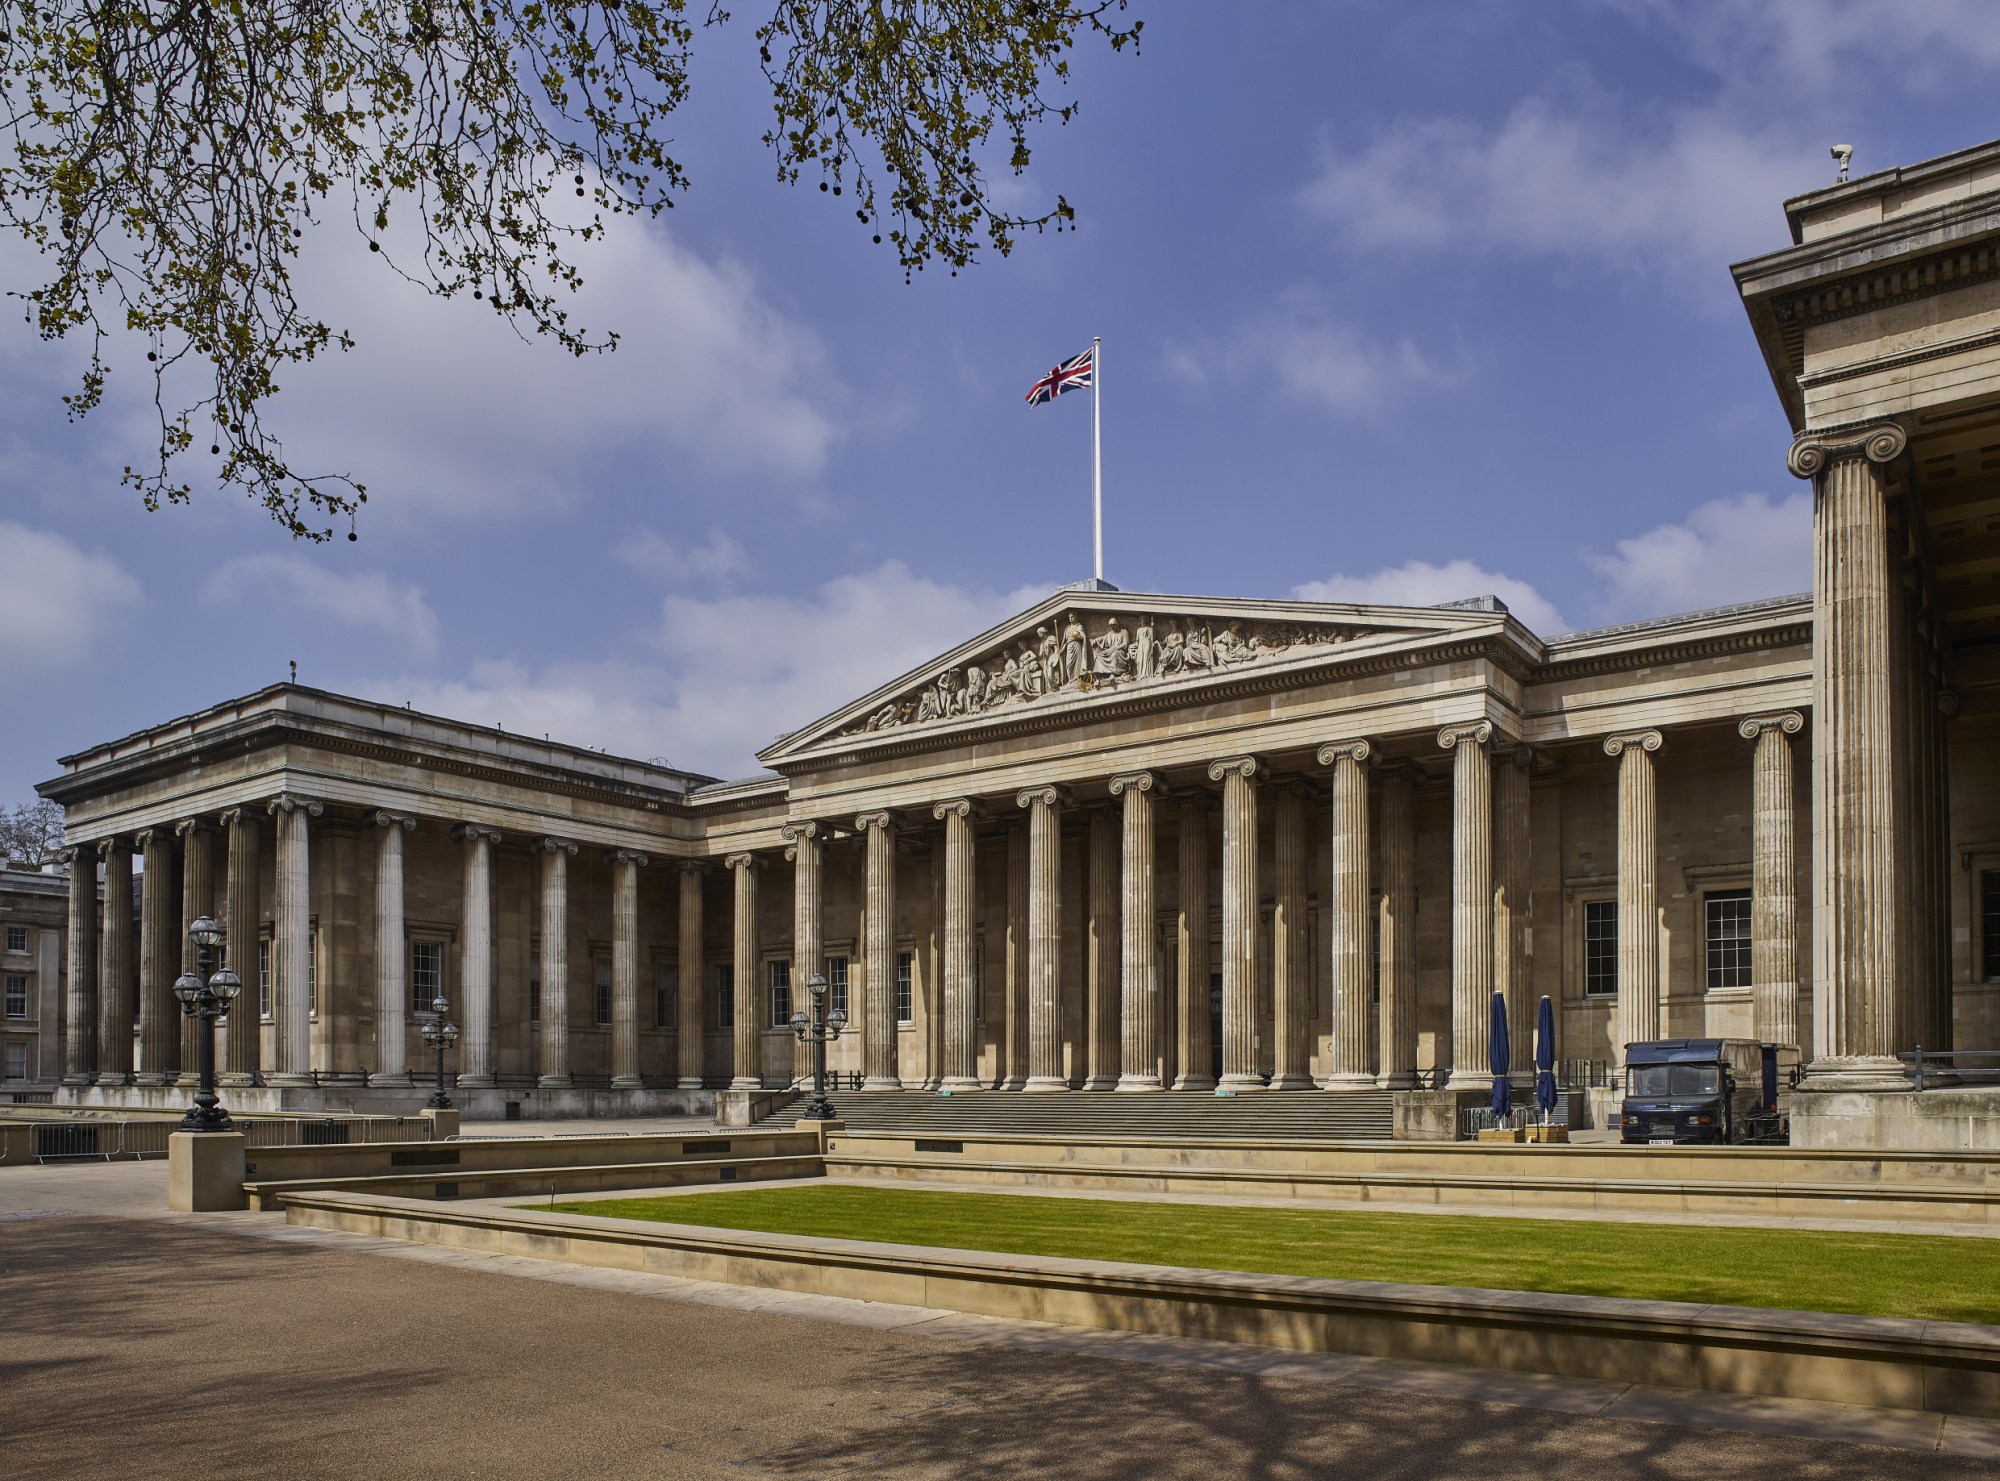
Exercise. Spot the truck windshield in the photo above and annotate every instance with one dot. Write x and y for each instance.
(1674, 1079)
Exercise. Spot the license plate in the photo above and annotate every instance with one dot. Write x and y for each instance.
(1661, 1141)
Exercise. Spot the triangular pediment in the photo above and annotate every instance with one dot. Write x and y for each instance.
(1079, 650)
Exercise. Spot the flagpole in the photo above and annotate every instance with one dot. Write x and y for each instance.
(1097, 446)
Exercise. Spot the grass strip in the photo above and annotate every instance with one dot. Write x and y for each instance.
(1935, 1277)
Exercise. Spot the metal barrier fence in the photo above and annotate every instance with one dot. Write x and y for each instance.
(1956, 1066)
(68, 1141)
(331, 1131)
(109, 1140)
(1475, 1119)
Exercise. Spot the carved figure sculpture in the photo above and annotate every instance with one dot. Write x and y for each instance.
(1230, 647)
(1050, 652)
(1200, 651)
(1142, 650)
(1110, 654)
(975, 688)
(1173, 654)
(1075, 651)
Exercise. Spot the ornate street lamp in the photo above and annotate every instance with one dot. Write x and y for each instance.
(206, 998)
(819, 1030)
(440, 1036)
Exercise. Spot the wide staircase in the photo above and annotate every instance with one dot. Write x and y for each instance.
(1363, 1115)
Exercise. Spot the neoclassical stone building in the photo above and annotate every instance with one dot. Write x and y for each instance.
(1154, 843)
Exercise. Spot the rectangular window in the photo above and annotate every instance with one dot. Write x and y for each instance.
(836, 983)
(17, 939)
(1600, 948)
(17, 997)
(666, 995)
(1726, 929)
(725, 995)
(1989, 920)
(426, 974)
(264, 978)
(603, 966)
(781, 994)
(17, 1061)
(904, 1013)
(312, 971)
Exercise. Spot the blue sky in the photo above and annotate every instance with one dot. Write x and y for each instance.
(1399, 302)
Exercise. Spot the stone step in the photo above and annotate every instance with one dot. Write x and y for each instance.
(1305, 1115)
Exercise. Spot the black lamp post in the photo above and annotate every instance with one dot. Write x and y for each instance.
(440, 1036)
(818, 1030)
(206, 998)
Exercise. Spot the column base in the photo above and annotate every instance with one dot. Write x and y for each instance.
(1139, 1082)
(1876, 1072)
(881, 1082)
(1481, 1080)
(238, 1078)
(164, 1079)
(1241, 1083)
(1291, 1082)
(1013, 1082)
(186, 1080)
(747, 1082)
(82, 1079)
(1350, 1080)
(555, 1082)
(288, 1079)
(627, 1082)
(1194, 1082)
(471, 1082)
(960, 1084)
(392, 1079)
(1101, 1082)
(1043, 1084)
(688, 1082)
(1397, 1080)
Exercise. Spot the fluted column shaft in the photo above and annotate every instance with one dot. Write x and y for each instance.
(1139, 984)
(1239, 921)
(1349, 922)
(878, 953)
(114, 966)
(197, 900)
(159, 962)
(1638, 1015)
(80, 1042)
(243, 1048)
(625, 867)
(392, 958)
(1194, 1056)
(1101, 929)
(747, 1039)
(1045, 1063)
(1291, 947)
(1471, 902)
(555, 1062)
(475, 955)
(808, 948)
(961, 1025)
(1014, 1049)
(292, 950)
(1511, 844)
(693, 969)
(1774, 900)
(1396, 926)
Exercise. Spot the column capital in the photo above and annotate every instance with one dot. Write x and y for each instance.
(1246, 767)
(1048, 796)
(627, 856)
(1478, 732)
(190, 825)
(292, 802)
(696, 867)
(551, 845)
(386, 819)
(1358, 750)
(792, 832)
(1791, 722)
(106, 846)
(1640, 740)
(73, 852)
(1813, 449)
(474, 832)
(1137, 781)
(961, 807)
(880, 818)
(143, 839)
(745, 860)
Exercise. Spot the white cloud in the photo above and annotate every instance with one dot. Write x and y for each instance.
(1728, 550)
(1422, 584)
(361, 600)
(1317, 361)
(716, 559)
(57, 603)
(731, 672)
(1809, 43)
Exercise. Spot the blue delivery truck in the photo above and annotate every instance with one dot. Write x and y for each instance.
(1703, 1092)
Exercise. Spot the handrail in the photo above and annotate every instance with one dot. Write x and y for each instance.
(1946, 1059)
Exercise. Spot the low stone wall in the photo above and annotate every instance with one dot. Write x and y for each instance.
(1941, 1121)
(439, 1180)
(1939, 1367)
(531, 1103)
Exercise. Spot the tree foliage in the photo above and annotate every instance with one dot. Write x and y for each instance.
(31, 833)
(169, 157)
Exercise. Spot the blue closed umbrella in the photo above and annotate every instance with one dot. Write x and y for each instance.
(1497, 1055)
(1545, 1058)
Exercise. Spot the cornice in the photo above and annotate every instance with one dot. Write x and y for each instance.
(1716, 645)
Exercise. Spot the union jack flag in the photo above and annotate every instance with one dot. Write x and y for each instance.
(1071, 375)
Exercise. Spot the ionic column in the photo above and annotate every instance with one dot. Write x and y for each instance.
(878, 953)
(1139, 985)
(392, 971)
(1045, 1066)
(1014, 1039)
(114, 966)
(1239, 920)
(80, 1041)
(1100, 949)
(291, 941)
(1349, 924)
(1194, 1041)
(625, 867)
(1774, 899)
(748, 1039)
(555, 855)
(197, 900)
(1857, 925)
(1511, 845)
(1638, 1018)
(1396, 928)
(1291, 949)
(241, 1049)
(159, 961)
(1471, 901)
(475, 955)
(804, 850)
(693, 967)
(961, 1026)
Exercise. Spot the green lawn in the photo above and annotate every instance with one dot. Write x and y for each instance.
(1905, 1275)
